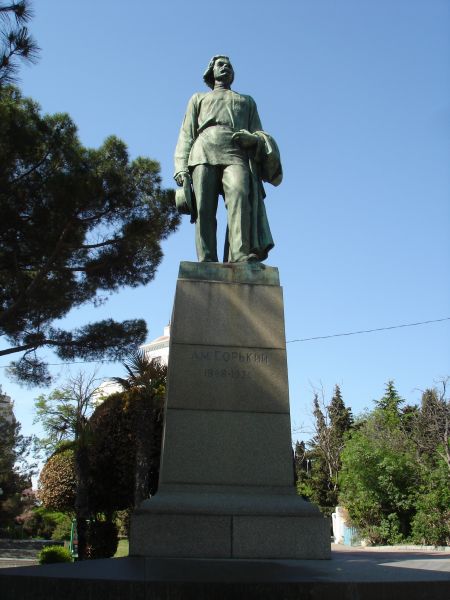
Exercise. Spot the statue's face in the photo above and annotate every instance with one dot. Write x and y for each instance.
(223, 71)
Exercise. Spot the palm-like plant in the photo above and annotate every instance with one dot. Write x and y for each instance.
(145, 388)
(148, 376)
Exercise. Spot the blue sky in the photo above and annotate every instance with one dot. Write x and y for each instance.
(356, 93)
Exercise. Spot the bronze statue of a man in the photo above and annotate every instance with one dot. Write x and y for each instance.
(223, 151)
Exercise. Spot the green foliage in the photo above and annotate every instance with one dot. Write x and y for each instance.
(119, 445)
(15, 471)
(389, 406)
(387, 531)
(148, 376)
(122, 521)
(379, 475)
(43, 523)
(112, 456)
(431, 523)
(431, 427)
(63, 414)
(15, 41)
(392, 466)
(63, 527)
(145, 390)
(318, 466)
(104, 217)
(126, 431)
(391, 401)
(102, 539)
(341, 418)
(57, 482)
(54, 554)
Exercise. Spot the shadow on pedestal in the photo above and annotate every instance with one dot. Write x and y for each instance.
(226, 485)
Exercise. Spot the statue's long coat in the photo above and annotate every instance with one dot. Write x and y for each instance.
(264, 159)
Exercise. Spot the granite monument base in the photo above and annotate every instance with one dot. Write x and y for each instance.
(351, 574)
(226, 486)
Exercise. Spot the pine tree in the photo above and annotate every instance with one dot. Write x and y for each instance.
(391, 400)
(431, 426)
(320, 480)
(74, 223)
(15, 468)
(16, 42)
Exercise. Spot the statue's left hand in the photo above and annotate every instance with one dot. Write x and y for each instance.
(180, 177)
(245, 139)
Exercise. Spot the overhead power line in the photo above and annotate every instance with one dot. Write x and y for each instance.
(74, 362)
(318, 337)
(325, 337)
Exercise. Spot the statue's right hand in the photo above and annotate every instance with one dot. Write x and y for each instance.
(179, 178)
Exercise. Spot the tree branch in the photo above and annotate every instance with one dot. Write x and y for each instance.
(101, 244)
(40, 344)
(33, 168)
(19, 349)
(6, 314)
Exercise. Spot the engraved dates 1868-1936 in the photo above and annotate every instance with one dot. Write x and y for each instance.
(231, 373)
(229, 364)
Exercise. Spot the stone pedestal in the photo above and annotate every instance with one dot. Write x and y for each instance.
(226, 487)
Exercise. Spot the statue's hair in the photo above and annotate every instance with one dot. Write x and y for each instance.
(208, 76)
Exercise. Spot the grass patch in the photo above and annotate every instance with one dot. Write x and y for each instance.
(122, 549)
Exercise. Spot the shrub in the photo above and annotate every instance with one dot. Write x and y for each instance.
(47, 524)
(57, 482)
(37, 524)
(386, 532)
(431, 523)
(102, 539)
(379, 478)
(122, 521)
(54, 554)
(112, 456)
(63, 527)
(431, 528)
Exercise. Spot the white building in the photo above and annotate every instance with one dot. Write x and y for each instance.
(6, 408)
(105, 389)
(158, 348)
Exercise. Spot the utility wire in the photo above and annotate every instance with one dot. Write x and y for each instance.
(74, 362)
(325, 337)
(318, 337)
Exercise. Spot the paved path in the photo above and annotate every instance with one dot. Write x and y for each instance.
(357, 573)
(346, 564)
(17, 562)
(400, 557)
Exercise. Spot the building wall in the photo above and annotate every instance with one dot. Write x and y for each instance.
(6, 408)
(159, 348)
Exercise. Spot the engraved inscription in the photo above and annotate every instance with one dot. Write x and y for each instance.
(225, 356)
(230, 364)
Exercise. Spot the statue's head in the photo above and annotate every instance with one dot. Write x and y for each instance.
(219, 67)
